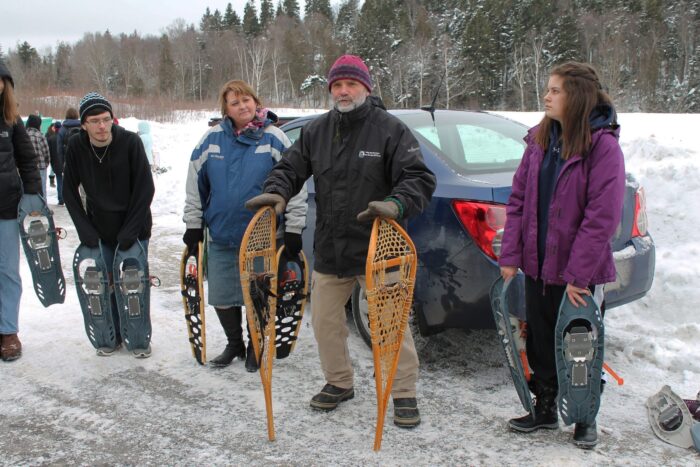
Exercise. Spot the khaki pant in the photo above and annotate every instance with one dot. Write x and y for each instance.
(329, 293)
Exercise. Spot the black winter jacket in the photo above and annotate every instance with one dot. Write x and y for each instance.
(119, 190)
(18, 167)
(355, 157)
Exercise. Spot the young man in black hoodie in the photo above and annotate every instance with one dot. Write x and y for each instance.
(111, 165)
(366, 163)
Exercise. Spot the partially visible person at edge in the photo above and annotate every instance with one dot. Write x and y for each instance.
(351, 190)
(561, 216)
(19, 176)
(70, 126)
(41, 148)
(110, 163)
(227, 168)
(147, 140)
(51, 135)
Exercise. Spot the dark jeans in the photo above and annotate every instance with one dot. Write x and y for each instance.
(59, 187)
(542, 310)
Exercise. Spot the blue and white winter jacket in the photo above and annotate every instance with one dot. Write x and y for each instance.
(226, 170)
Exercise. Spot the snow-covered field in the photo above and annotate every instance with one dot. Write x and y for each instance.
(61, 404)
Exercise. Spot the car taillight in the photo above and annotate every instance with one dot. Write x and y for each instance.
(641, 223)
(484, 222)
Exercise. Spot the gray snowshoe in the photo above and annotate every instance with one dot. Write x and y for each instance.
(578, 342)
(132, 288)
(40, 243)
(507, 305)
(92, 284)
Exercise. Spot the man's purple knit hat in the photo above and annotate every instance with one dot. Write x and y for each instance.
(350, 67)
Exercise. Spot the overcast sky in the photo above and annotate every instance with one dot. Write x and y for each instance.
(44, 23)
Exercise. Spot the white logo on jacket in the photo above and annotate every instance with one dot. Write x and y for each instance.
(364, 154)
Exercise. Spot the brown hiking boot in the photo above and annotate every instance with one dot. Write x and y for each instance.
(10, 348)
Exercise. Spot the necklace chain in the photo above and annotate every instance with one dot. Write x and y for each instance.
(99, 159)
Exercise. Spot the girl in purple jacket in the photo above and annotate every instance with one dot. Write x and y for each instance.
(561, 216)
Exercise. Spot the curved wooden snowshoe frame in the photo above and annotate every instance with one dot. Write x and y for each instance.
(390, 278)
(258, 267)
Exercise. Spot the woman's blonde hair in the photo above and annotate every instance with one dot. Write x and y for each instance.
(10, 112)
(238, 88)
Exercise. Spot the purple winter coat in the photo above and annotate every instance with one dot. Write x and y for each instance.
(585, 211)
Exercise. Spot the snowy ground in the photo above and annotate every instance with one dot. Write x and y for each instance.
(60, 404)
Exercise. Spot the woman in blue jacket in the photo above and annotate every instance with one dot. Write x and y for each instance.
(562, 214)
(228, 167)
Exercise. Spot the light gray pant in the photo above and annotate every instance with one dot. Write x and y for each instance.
(329, 293)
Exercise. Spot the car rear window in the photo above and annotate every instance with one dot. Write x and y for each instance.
(471, 142)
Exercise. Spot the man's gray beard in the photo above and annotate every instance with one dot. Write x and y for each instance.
(351, 107)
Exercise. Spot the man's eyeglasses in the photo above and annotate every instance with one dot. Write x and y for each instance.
(97, 121)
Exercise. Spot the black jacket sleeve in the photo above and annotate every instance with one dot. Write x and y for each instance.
(289, 175)
(71, 196)
(413, 182)
(139, 209)
(26, 159)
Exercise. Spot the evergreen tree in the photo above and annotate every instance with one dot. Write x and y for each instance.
(291, 8)
(346, 23)
(217, 22)
(63, 66)
(280, 9)
(267, 14)
(322, 7)
(27, 55)
(231, 20)
(166, 67)
(205, 22)
(251, 25)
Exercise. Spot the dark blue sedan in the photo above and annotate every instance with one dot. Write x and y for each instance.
(474, 156)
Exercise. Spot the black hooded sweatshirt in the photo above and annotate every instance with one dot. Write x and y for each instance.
(119, 189)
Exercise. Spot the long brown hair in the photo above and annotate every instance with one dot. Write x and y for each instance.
(9, 103)
(583, 93)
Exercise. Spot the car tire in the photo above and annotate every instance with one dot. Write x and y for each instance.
(360, 314)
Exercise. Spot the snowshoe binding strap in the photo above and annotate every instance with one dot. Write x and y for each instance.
(94, 288)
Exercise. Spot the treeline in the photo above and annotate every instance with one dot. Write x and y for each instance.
(475, 54)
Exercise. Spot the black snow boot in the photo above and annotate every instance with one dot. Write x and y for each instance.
(586, 435)
(545, 413)
(230, 319)
(251, 363)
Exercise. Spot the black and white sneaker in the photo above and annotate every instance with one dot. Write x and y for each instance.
(107, 351)
(142, 353)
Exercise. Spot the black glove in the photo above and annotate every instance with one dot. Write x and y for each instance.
(126, 243)
(292, 244)
(386, 209)
(267, 199)
(192, 237)
(90, 242)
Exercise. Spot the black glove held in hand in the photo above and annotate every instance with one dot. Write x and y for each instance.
(126, 244)
(91, 242)
(386, 209)
(192, 237)
(292, 244)
(267, 199)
